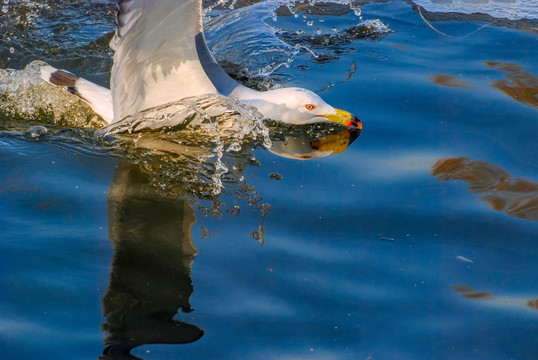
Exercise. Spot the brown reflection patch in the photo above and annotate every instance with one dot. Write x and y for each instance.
(448, 80)
(533, 303)
(521, 86)
(478, 296)
(513, 196)
(469, 292)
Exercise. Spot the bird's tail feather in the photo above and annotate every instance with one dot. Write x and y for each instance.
(98, 97)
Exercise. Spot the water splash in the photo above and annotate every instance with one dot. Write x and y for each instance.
(261, 53)
(275, 37)
(53, 30)
(197, 147)
(25, 96)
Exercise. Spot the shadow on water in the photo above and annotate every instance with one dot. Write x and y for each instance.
(151, 233)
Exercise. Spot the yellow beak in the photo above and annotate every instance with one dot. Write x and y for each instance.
(344, 118)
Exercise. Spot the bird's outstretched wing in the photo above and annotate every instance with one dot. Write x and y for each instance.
(161, 56)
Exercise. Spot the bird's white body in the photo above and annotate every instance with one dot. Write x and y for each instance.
(161, 56)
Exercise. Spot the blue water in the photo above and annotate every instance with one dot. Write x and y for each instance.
(377, 252)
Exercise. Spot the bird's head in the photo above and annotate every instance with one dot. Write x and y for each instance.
(300, 106)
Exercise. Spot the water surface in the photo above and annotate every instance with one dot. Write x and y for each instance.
(419, 240)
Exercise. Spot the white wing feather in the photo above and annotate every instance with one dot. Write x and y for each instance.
(161, 56)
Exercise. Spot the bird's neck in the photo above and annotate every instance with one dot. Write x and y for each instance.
(242, 92)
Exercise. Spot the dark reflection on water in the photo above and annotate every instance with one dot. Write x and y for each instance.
(151, 232)
(150, 227)
(150, 273)
(513, 196)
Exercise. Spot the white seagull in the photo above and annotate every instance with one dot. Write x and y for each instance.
(161, 56)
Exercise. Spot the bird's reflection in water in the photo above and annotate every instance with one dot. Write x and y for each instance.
(150, 274)
(294, 146)
(151, 232)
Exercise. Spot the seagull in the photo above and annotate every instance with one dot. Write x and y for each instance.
(161, 56)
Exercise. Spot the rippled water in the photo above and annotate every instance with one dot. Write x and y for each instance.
(210, 239)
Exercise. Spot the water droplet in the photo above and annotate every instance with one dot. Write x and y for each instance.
(275, 176)
(37, 131)
(310, 23)
(11, 50)
(383, 58)
(234, 146)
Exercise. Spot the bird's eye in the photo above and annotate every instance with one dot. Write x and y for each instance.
(309, 107)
